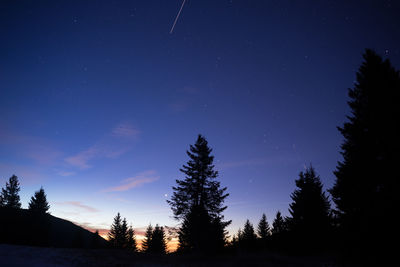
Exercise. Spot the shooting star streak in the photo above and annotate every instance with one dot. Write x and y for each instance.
(177, 17)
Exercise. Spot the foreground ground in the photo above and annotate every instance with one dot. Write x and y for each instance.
(11, 255)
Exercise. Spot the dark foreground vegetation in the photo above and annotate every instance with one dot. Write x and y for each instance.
(358, 229)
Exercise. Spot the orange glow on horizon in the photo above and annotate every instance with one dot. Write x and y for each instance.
(172, 245)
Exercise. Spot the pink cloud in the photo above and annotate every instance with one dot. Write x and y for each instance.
(81, 159)
(132, 182)
(65, 173)
(77, 204)
(26, 174)
(110, 146)
(39, 149)
(101, 150)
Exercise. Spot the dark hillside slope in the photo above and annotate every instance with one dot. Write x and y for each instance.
(22, 227)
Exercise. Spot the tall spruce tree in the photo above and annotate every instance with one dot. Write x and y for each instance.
(198, 201)
(131, 239)
(9, 195)
(279, 224)
(263, 229)
(124, 234)
(147, 241)
(158, 243)
(248, 231)
(310, 209)
(365, 190)
(39, 202)
(117, 233)
(248, 239)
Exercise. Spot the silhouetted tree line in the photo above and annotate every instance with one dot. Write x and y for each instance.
(310, 222)
(154, 240)
(122, 236)
(360, 224)
(364, 194)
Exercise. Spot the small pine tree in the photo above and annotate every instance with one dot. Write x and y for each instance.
(248, 232)
(146, 243)
(239, 235)
(310, 209)
(248, 236)
(116, 236)
(159, 245)
(39, 202)
(263, 229)
(131, 239)
(124, 233)
(9, 195)
(279, 224)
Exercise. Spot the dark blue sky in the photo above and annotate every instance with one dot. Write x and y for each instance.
(98, 101)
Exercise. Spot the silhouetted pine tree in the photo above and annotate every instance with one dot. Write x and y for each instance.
(39, 202)
(146, 244)
(198, 201)
(124, 233)
(248, 231)
(248, 236)
(240, 235)
(158, 244)
(365, 191)
(279, 224)
(263, 229)
(131, 239)
(234, 240)
(309, 210)
(117, 234)
(9, 195)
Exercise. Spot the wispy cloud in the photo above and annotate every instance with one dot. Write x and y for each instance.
(110, 146)
(242, 163)
(77, 204)
(81, 159)
(39, 149)
(65, 173)
(125, 130)
(135, 181)
(28, 175)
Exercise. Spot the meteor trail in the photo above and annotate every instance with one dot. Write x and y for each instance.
(177, 17)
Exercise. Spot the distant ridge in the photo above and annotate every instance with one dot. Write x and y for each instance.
(24, 227)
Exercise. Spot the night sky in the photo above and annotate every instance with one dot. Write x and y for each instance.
(99, 101)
